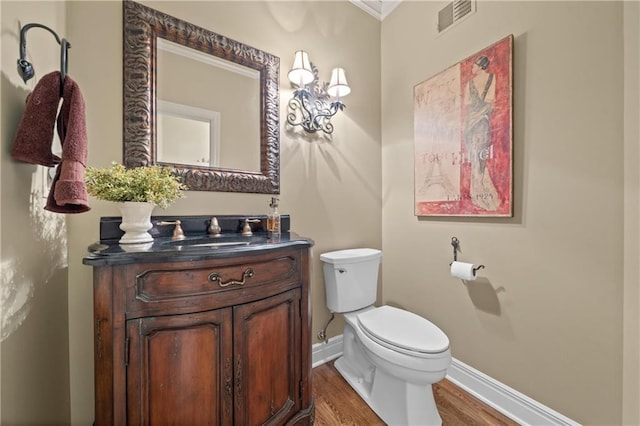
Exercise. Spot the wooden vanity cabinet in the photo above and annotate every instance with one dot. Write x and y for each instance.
(207, 342)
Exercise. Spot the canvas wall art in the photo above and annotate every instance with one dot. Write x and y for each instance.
(463, 137)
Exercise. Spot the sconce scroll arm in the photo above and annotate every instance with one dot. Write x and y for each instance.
(312, 118)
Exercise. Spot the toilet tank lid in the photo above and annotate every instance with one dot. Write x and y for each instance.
(350, 255)
(404, 329)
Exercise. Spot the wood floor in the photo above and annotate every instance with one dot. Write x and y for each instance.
(338, 404)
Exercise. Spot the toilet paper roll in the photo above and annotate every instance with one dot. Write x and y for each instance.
(463, 270)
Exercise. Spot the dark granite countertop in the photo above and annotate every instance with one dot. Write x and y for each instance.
(198, 244)
(200, 247)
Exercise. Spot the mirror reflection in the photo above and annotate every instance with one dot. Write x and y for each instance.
(216, 125)
(187, 135)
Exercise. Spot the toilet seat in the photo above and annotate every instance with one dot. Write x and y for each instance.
(402, 331)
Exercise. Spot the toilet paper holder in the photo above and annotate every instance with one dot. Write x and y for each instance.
(455, 242)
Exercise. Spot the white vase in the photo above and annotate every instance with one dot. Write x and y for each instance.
(136, 221)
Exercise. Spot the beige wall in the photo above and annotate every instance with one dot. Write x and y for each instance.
(34, 333)
(631, 307)
(331, 188)
(547, 320)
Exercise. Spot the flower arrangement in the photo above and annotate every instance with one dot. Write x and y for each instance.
(154, 184)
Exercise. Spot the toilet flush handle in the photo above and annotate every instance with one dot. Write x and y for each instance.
(342, 270)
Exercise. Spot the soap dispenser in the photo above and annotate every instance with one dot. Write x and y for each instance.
(273, 218)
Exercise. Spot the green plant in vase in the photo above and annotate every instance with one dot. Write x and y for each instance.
(139, 190)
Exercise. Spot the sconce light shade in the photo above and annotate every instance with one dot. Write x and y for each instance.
(301, 73)
(338, 86)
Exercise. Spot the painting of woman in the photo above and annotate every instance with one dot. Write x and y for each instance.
(477, 134)
(463, 137)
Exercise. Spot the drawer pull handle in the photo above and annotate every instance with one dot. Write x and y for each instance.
(215, 277)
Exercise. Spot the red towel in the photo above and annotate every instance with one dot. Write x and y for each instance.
(68, 192)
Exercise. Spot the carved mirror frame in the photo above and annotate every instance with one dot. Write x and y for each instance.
(142, 26)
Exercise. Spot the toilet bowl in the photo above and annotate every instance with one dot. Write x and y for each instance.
(391, 357)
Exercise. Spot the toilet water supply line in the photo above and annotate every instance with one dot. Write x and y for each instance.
(322, 334)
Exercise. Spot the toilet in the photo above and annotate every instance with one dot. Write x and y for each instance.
(391, 357)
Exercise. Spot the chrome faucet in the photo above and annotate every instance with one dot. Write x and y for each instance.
(246, 230)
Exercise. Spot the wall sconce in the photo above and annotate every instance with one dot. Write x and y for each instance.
(311, 106)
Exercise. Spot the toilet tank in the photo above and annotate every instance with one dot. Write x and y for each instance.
(351, 278)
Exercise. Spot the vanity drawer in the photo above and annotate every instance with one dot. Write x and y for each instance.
(156, 289)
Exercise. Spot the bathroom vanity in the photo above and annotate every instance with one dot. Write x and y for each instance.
(203, 331)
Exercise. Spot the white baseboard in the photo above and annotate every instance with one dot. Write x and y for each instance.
(499, 396)
(325, 352)
(508, 401)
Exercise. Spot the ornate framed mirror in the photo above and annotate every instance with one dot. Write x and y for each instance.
(180, 81)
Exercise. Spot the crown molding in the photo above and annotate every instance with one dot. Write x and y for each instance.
(379, 9)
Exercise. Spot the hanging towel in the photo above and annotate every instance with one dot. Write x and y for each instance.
(68, 191)
(33, 141)
(34, 137)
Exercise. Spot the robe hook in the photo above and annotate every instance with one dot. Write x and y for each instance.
(456, 246)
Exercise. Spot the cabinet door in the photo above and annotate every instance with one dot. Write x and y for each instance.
(267, 364)
(180, 369)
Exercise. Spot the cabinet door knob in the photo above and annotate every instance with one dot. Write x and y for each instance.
(215, 277)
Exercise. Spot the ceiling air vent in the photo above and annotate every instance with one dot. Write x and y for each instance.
(454, 12)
